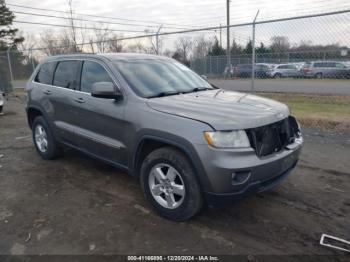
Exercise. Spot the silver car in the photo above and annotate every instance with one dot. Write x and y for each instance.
(189, 143)
(284, 70)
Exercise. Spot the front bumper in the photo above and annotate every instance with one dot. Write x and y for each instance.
(257, 174)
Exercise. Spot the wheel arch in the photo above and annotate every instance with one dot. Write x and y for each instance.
(32, 113)
(148, 143)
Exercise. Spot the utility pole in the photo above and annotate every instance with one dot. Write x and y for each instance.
(70, 3)
(9, 63)
(220, 36)
(228, 51)
(253, 53)
(157, 39)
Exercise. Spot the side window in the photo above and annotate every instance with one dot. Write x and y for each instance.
(65, 74)
(339, 65)
(45, 73)
(92, 72)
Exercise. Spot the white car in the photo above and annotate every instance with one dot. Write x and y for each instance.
(2, 101)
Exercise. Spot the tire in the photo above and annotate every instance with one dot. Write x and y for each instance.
(319, 76)
(0, 109)
(278, 75)
(165, 160)
(51, 150)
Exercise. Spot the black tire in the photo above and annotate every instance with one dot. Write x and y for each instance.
(319, 76)
(0, 108)
(278, 75)
(192, 202)
(52, 147)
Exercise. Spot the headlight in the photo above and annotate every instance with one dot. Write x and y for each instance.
(227, 139)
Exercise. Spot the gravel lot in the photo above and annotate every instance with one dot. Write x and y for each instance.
(76, 205)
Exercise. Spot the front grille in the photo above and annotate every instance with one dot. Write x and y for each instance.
(274, 137)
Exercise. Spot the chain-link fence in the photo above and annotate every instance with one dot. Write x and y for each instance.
(301, 61)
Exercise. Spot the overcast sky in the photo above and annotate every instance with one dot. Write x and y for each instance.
(202, 13)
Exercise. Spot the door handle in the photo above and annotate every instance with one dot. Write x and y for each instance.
(47, 92)
(79, 100)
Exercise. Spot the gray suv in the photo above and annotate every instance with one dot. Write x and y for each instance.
(190, 143)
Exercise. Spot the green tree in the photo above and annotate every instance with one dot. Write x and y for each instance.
(262, 49)
(7, 39)
(236, 49)
(248, 48)
(7, 33)
(216, 49)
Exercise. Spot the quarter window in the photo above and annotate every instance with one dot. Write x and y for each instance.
(92, 73)
(45, 73)
(65, 74)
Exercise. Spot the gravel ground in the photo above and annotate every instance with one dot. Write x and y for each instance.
(76, 205)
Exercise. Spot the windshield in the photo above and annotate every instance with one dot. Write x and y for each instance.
(152, 77)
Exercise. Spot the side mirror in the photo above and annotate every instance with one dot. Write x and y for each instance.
(105, 90)
(204, 77)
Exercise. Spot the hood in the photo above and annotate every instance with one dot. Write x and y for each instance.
(223, 110)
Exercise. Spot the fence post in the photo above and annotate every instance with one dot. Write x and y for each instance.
(210, 65)
(32, 59)
(253, 53)
(9, 62)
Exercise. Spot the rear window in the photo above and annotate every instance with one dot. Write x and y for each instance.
(45, 73)
(65, 74)
(320, 65)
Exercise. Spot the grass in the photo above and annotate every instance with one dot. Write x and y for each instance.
(328, 112)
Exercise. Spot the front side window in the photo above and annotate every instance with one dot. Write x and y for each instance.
(65, 74)
(92, 72)
(152, 77)
(45, 73)
(339, 65)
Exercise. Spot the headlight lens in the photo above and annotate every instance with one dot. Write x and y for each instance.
(227, 139)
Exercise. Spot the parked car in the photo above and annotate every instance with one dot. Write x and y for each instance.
(2, 101)
(189, 143)
(284, 70)
(330, 69)
(260, 70)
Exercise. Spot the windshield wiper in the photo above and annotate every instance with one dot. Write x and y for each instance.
(197, 89)
(169, 93)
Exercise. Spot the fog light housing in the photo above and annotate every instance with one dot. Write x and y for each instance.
(240, 177)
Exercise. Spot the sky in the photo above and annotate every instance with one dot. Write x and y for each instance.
(182, 14)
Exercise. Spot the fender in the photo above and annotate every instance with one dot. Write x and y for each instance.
(176, 141)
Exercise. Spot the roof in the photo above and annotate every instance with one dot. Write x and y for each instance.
(108, 56)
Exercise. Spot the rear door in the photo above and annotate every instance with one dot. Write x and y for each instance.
(99, 122)
(62, 97)
(292, 71)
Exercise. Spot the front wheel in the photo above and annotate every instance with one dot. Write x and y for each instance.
(169, 184)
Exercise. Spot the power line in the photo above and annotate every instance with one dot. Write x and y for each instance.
(209, 28)
(97, 16)
(80, 27)
(96, 21)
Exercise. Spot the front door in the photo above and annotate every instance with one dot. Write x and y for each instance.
(100, 124)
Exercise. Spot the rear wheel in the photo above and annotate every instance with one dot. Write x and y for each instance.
(319, 76)
(278, 75)
(169, 184)
(43, 139)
